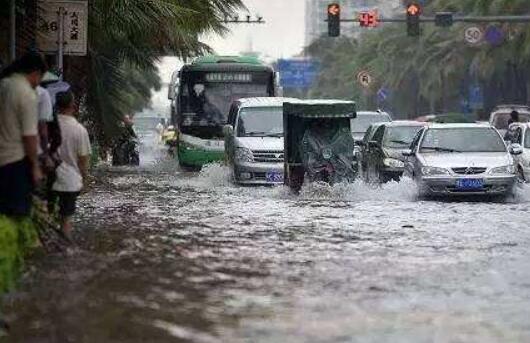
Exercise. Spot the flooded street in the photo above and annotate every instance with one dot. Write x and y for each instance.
(169, 256)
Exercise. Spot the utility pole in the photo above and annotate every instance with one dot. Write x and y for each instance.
(60, 41)
(12, 30)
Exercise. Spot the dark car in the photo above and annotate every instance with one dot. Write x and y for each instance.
(364, 119)
(382, 155)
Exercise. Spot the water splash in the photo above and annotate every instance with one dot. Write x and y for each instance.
(522, 193)
(403, 191)
(215, 175)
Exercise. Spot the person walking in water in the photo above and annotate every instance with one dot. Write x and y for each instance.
(19, 165)
(74, 152)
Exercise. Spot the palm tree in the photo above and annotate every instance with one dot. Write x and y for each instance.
(132, 35)
(429, 72)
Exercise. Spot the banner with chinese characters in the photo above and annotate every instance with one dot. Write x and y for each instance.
(72, 16)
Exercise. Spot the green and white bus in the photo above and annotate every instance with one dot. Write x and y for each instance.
(204, 92)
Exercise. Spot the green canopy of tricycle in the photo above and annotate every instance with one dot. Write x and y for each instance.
(321, 109)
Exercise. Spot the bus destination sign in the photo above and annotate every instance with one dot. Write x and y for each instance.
(228, 77)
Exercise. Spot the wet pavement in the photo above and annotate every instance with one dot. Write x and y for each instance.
(168, 256)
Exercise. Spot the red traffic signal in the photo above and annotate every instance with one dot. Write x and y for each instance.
(369, 19)
(334, 9)
(334, 20)
(413, 9)
(413, 19)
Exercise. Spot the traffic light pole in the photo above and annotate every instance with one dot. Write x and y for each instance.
(456, 19)
(246, 20)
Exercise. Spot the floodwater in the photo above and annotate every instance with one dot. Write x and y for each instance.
(169, 256)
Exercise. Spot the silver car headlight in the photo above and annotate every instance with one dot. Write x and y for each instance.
(509, 169)
(432, 171)
(393, 163)
(244, 155)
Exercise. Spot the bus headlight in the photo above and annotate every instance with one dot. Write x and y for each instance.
(244, 155)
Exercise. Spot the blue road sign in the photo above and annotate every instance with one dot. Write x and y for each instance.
(494, 35)
(476, 97)
(382, 94)
(297, 73)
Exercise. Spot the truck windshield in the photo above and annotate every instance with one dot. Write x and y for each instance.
(462, 140)
(260, 122)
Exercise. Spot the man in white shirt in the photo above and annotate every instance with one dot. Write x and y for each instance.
(74, 152)
(19, 165)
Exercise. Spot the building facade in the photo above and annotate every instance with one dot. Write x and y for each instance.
(316, 15)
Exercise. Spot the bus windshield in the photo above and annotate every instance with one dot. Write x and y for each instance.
(211, 101)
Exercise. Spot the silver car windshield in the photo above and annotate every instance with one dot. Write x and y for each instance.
(363, 122)
(260, 122)
(400, 137)
(462, 140)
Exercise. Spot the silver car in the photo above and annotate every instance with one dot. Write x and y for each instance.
(460, 159)
(254, 140)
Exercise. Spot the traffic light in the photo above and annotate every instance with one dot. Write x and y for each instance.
(413, 19)
(444, 19)
(334, 20)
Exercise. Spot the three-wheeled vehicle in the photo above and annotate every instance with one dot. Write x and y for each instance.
(318, 142)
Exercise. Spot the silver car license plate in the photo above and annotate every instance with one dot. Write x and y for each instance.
(469, 184)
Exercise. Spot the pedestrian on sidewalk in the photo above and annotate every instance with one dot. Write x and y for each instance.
(74, 152)
(19, 165)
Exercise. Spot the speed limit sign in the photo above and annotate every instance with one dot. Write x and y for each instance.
(473, 35)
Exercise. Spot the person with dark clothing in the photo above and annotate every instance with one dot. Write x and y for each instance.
(327, 153)
(125, 150)
(20, 170)
(514, 118)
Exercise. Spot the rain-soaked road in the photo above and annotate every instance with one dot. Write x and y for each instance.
(168, 256)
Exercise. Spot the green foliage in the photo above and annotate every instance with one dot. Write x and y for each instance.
(126, 40)
(426, 73)
(16, 239)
